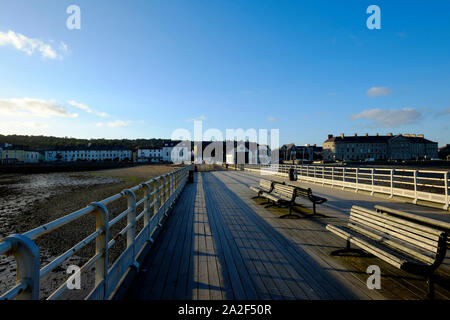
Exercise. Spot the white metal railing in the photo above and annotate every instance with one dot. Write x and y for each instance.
(159, 195)
(426, 185)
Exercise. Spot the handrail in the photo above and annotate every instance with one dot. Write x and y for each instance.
(160, 195)
(426, 185)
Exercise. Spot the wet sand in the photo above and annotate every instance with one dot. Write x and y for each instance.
(27, 201)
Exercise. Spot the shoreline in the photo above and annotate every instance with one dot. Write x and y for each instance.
(67, 192)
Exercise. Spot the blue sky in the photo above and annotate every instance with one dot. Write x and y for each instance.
(141, 69)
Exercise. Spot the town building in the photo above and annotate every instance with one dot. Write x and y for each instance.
(88, 153)
(388, 147)
(291, 152)
(148, 154)
(176, 151)
(231, 152)
(18, 154)
(444, 152)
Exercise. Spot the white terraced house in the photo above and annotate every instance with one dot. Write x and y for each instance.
(89, 153)
(149, 154)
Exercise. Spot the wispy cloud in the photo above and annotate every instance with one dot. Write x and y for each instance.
(201, 118)
(389, 118)
(378, 92)
(88, 109)
(272, 119)
(23, 107)
(31, 45)
(114, 124)
(444, 112)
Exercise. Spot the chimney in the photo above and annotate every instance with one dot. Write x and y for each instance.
(330, 136)
(389, 134)
(355, 134)
(342, 135)
(421, 135)
(377, 134)
(366, 134)
(314, 145)
(400, 134)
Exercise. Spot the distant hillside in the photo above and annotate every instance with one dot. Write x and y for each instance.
(42, 142)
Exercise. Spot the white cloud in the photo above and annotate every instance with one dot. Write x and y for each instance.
(30, 45)
(118, 124)
(378, 92)
(23, 107)
(201, 118)
(87, 109)
(390, 118)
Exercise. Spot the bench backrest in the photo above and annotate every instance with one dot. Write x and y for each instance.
(421, 242)
(266, 185)
(285, 192)
(433, 223)
(303, 192)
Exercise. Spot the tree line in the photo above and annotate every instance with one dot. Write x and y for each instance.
(44, 142)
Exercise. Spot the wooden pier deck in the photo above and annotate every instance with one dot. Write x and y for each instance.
(218, 243)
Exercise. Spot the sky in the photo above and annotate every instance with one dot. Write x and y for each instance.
(145, 68)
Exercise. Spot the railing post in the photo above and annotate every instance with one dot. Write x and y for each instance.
(147, 206)
(101, 246)
(357, 179)
(332, 176)
(415, 187)
(447, 201)
(392, 183)
(131, 218)
(323, 176)
(26, 254)
(373, 181)
(343, 178)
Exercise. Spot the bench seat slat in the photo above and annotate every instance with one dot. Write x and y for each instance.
(401, 221)
(400, 227)
(422, 256)
(391, 234)
(357, 240)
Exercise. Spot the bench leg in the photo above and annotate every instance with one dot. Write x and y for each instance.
(348, 249)
(430, 282)
(289, 214)
(269, 204)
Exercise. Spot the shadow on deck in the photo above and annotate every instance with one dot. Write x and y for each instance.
(218, 243)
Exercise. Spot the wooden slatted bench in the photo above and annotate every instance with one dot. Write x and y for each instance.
(407, 245)
(307, 193)
(433, 223)
(281, 195)
(264, 186)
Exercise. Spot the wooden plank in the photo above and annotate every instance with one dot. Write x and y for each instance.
(241, 283)
(313, 279)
